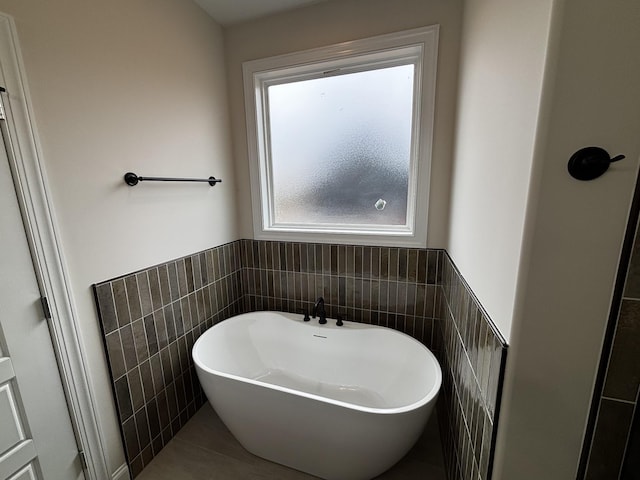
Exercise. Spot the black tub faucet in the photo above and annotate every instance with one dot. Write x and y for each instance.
(318, 309)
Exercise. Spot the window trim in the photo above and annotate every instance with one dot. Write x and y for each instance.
(383, 48)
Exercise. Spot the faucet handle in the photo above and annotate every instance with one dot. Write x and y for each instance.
(318, 307)
(339, 320)
(305, 312)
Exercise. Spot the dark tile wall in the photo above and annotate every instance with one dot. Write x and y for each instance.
(393, 287)
(615, 447)
(150, 320)
(417, 291)
(472, 358)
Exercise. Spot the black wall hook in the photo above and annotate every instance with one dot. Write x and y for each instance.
(590, 162)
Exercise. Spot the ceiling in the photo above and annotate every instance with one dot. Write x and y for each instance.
(229, 12)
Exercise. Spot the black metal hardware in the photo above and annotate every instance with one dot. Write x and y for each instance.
(304, 312)
(46, 310)
(318, 309)
(132, 179)
(590, 162)
(339, 322)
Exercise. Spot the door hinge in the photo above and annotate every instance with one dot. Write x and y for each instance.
(2, 115)
(83, 459)
(45, 308)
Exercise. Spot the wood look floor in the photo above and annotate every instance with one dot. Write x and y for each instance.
(205, 450)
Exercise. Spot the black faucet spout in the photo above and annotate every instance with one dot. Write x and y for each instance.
(318, 309)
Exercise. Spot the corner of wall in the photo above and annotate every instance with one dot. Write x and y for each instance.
(473, 356)
(572, 239)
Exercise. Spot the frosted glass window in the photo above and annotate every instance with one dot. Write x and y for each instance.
(339, 140)
(341, 148)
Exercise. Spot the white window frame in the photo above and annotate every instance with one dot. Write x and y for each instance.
(417, 46)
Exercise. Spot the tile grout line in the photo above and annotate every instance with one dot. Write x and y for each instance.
(617, 400)
(629, 433)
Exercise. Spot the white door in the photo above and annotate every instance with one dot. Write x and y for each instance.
(36, 436)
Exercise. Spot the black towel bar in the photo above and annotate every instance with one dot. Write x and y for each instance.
(132, 179)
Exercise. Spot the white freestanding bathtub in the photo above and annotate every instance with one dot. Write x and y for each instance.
(342, 403)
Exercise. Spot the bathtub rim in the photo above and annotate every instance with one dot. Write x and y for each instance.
(429, 397)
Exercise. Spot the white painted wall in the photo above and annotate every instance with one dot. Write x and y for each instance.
(119, 86)
(572, 238)
(504, 44)
(339, 21)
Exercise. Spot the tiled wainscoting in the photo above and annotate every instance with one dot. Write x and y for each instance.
(150, 320)
(393, 287)
(614, 451)
(472, 358)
